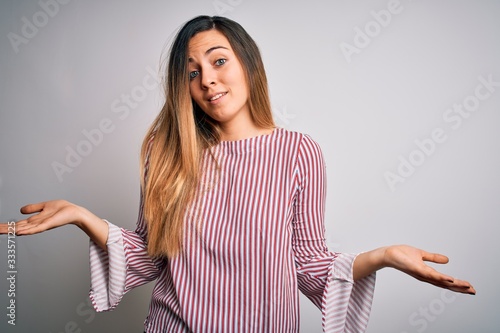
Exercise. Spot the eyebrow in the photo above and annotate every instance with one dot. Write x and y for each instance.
(210, 50)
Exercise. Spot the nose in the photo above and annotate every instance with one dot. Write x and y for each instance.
(208, 78)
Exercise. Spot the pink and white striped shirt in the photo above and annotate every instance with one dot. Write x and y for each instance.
(260, 240)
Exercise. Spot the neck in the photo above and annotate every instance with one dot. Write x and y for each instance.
(234, 134)
(241, 128)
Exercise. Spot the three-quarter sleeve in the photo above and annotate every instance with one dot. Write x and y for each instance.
(325, 277)
(124, 266)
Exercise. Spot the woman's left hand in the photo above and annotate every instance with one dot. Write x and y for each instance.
(411, 261)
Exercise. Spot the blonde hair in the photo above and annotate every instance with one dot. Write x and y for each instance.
(172, 149)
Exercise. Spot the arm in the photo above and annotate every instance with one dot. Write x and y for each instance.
(56, 213)
(325, 277)
(309, 226)
(411, 261)
(340, 284)
(124, 266)
(118, 258)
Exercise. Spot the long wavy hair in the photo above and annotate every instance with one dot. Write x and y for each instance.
(172, 149)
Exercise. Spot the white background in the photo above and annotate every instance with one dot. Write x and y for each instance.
(365, 109)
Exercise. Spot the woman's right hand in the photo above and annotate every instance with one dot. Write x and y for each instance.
(56, 213)
(49, 215)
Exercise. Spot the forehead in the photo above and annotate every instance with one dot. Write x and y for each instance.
(206, 40)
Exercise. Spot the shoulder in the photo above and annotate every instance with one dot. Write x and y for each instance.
(304, 142)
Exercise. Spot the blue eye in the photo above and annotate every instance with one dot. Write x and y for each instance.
(193, 74)
(220, 62)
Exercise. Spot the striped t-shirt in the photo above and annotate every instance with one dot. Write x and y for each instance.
(254, 237)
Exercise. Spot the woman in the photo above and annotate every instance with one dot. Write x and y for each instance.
(231, 215)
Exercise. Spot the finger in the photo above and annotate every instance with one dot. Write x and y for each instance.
(32, 229)
(17, 225)
(435, 257)
(28, 223)
(460, 286)
(27, 229)
(35, 224)
(32, 208)
(445, 281)
(430, 275)
(438, 276)
(455, 288)
(22, 226)
(464, 290)
(5, 227)
(35, 219)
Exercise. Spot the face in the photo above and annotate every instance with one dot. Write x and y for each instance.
(217, 80)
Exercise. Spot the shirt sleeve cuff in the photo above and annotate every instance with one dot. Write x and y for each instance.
(346, 304)
(107, 271)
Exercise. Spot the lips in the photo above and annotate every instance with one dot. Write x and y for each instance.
(216, 96)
